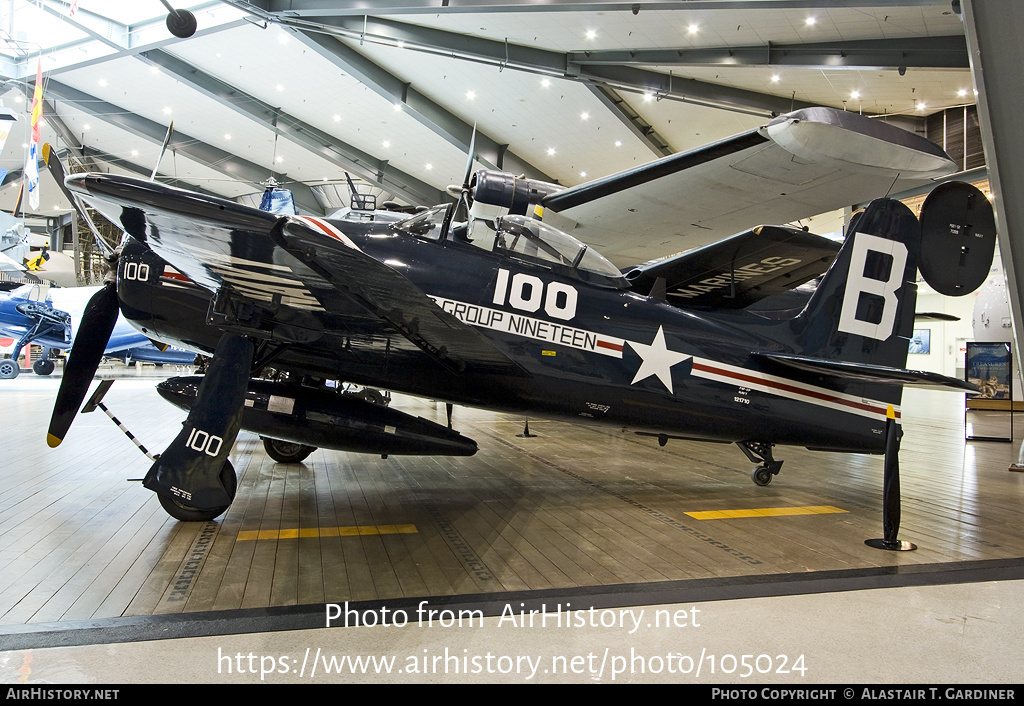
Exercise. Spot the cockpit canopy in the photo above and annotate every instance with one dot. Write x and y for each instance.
(528, 238)
(522, 238)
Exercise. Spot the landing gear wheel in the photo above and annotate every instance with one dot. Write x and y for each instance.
(9, 369)
(186, 513)
(43, 366)
(286, 451)
(761, 475)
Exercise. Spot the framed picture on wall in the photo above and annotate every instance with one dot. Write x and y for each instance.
(921, 341)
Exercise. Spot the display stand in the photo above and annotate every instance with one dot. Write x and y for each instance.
(989, 416)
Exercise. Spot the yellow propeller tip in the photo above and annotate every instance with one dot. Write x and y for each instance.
(53, 441)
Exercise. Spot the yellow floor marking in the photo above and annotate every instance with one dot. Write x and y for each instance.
(765, 512)
(249, 535)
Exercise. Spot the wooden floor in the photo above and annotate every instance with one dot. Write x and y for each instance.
(575, 506)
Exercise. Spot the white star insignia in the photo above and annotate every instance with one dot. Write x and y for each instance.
(657, 360)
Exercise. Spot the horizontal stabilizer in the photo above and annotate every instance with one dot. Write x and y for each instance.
(864, 372)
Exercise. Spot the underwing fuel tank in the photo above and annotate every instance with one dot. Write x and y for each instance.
(329, 420)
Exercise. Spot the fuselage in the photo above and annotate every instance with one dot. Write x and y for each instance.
(587, 348)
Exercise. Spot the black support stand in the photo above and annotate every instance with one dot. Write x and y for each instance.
(891, 490)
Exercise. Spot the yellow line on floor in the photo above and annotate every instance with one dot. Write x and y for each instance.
(765, 512)
(356, 530)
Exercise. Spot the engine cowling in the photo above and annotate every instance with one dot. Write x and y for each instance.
(506, 190)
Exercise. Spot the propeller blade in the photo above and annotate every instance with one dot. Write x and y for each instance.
(90, 342)
(469, 159)
(56, 169)
(163, 148)
(189, 470)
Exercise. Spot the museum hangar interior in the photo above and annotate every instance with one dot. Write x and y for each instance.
(305, 94)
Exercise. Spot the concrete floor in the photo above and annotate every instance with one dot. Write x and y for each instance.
(90, 563)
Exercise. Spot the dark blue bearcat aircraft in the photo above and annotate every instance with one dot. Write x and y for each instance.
(506, 311)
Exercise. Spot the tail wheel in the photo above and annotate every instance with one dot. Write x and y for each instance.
(761, 475)
(186, 513)
(286, 451)
(43, 366)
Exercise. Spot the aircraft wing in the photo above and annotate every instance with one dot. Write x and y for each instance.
(799, 165)
(303, 275)
(738, 271)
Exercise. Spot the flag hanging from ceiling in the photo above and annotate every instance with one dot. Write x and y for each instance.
(32, 162)
(74, 7)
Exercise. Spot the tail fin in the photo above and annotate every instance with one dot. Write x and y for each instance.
(863, 309)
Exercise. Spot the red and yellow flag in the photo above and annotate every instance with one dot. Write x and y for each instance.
(32, 161)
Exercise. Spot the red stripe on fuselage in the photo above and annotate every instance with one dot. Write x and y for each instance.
(825, 397)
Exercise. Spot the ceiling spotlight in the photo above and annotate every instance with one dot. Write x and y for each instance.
(279, 159)
(618, 143)
(810, 21)
(584, 116)
(545, 82)
(167, 110)
(962, 92)
(387, 143)
(429, 166)
(398, 107)
(102, 82)
(87, 126)
(692, 29)
(591, 34)
(337, 118)
(854, 95)
(227, 135)
(135, 153)
(583, 174)
(280, 87)
(648, 97)
(551, 151)
(470, 95)
(775, 78)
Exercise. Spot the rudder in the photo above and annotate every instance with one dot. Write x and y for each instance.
(863, 309)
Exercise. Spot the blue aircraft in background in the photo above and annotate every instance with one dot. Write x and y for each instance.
(31, 314)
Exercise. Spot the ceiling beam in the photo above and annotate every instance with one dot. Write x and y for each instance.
(213, 157)
(349, 158)
(324, 8)
(427, 112)
(915, 52)
(552, 63)
(642, 129)
(81, 53)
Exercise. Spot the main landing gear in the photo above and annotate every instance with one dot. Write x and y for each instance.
(286, 451)
(761, 454)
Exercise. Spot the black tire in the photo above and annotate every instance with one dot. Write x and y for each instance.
(9, 369)
(43, 366)
(761, 475)
(186, 513)
(286, 451)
